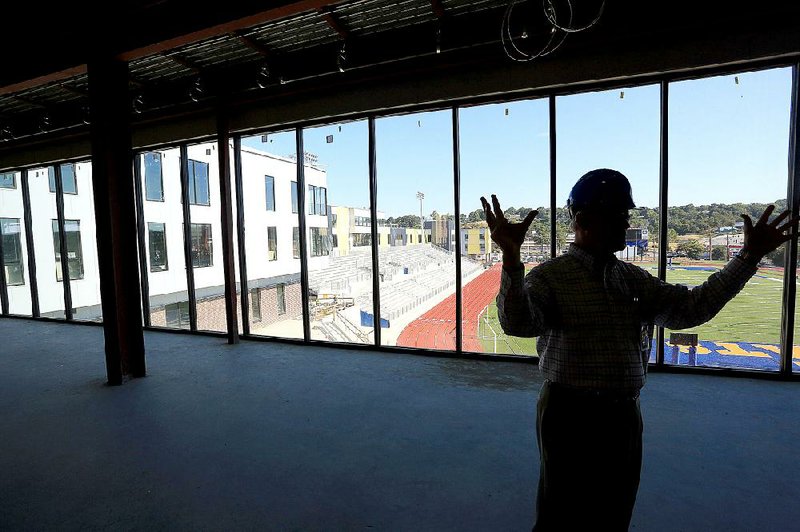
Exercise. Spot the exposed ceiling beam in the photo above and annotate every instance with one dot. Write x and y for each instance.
(184, 62)
(334, 22)
(252, 44)
(263, 17)
(438, 8)
(44, 80)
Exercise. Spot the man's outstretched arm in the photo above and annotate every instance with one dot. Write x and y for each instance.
(518, 302)
(678, 307)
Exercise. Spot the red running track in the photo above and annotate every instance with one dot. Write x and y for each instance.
(436, 329)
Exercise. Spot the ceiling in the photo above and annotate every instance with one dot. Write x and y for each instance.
(185, 55)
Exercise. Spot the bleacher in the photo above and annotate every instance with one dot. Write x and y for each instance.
(410, 276)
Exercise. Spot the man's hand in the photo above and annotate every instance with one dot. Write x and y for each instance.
(509, 236)
(765, 236)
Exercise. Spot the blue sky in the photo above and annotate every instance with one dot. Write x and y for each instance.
(728, 143)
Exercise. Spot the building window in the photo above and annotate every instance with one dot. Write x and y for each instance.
(12, 251)
(281, 296)
(419, 239)
(322, 201)
(335, 239)
(272, 243)
(153, 178)
(312, 199)
(72, 228)
(68, 180)
(361, 239)
(202, 248)
(178, 315)
(319, 242)
(8, 180)
(255, 304)
(269, 185)
(158, 247)
(198, 183)
(294, 197)
(296, 242)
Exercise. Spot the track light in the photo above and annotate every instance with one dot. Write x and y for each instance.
(341, 58)
(44, 122)
(86, 114)
(6, 132)
(264, 76)
(197, 90)
(137, 104)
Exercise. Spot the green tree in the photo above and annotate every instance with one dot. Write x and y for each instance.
(719, 253)
(692, 248)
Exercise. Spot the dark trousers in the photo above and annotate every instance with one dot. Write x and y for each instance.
(590, 450)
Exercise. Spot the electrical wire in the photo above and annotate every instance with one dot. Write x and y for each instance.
(550, 12)
(514, 52)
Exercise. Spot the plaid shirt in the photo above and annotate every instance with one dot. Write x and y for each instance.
(595, 318)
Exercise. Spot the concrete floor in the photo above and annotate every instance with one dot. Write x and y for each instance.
(278, 437)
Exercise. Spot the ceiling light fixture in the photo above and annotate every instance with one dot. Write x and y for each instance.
(341, 58)
(197, 90)
(264, 76)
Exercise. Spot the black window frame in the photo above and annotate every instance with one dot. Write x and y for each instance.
(13, 185)
(269, 188)
(192, 169)
(57, 250)
(196, 256)
(12, 245)
(150, 232)
(147, 187)
(51, 179)
(272, 243)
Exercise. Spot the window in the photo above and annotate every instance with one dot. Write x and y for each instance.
(294, 197)
(296, 242)
(322, 201)
(361, 239)
(312, 199)
(269, 184)
(202, 248)
(12, 250)
(8, 180)
(198, 183)
(68, 181)
(281, 296)
(72, 228)
(255, 304)
(335, 241)
(177, 315)
(319, 241)
(158, 247)
(153, 180)
(272, 243)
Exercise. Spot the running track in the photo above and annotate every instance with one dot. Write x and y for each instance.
(436, 329)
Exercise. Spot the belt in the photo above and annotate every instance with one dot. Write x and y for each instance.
(593, 393)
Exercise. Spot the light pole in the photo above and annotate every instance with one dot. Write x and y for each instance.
(420, 197)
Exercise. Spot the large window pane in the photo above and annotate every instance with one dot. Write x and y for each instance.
(617, 129)
(81, 232)
(43, 212)
(72, 229)
(504, 151)
(206, 234)
(728, 141)
(340, 265)
(273, 270)
(14, 246)
(415, 190)
(169, 298)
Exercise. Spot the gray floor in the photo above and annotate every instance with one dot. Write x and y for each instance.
(275, 437)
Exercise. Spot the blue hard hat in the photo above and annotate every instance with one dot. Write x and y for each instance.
(602, 188)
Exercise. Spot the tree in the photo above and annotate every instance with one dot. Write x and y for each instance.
(719, 253)
(692, 248)
(407, 220)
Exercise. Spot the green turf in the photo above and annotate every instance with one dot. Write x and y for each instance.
(752, 316)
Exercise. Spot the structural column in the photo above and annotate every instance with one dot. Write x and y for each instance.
(114, 199)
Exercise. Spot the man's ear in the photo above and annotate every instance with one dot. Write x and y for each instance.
(581, 220)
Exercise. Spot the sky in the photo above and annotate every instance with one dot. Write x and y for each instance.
(728, 142)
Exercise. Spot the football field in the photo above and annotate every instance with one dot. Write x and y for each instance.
(746, 333)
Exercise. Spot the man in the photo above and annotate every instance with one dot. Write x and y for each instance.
(594, 316)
